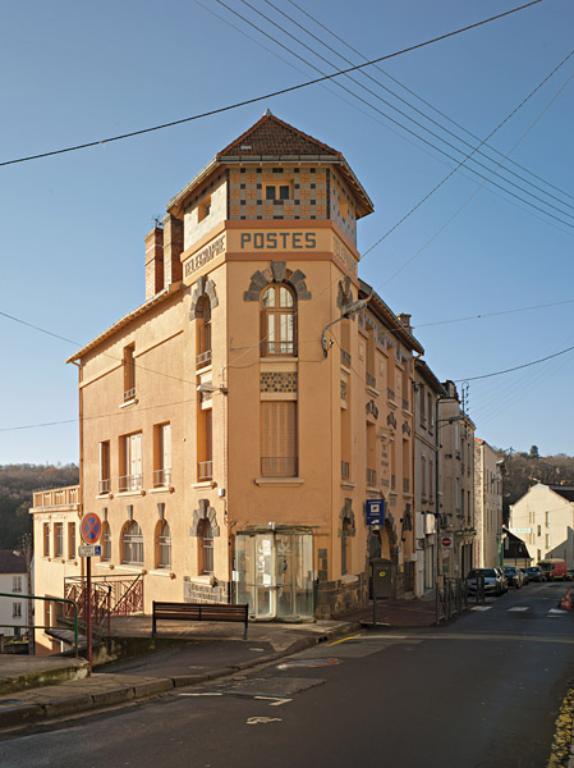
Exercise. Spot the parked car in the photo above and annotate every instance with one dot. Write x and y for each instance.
(526, 575)
(514, 576)
(554, 568)
(503, 578)
(570, 575)
(535, 573)
(494, 583)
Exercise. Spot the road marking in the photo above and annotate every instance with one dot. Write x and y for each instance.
(481, 607)
(557, 612)
(257, 650)
(200, 694)
(343, 640)
(275, 702)
(519, 609)
(262, 720)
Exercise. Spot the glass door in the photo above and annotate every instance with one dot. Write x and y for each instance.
(294, 563)
(255, 563)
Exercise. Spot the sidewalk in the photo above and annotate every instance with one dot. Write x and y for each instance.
(21, 672)
(399, 614)
(183, 655)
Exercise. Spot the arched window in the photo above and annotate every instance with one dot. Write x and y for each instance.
(203, 333)
(132, 544)
(162, 545)
(346, 533)
(205, 546)
(106, 542)
(278, 325)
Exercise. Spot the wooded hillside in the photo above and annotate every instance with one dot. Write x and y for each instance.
(17, 482)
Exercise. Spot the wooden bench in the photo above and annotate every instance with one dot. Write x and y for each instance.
(199, 612)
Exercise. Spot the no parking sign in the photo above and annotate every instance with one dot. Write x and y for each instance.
(91, 528)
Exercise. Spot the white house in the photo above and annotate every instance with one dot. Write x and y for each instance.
(544, 519)
(14, 582)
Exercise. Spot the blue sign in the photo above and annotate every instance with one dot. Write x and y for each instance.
(375, 511)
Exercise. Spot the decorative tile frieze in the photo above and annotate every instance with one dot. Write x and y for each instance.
(278, 381)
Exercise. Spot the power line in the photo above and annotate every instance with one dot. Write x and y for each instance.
(367, 75)
(468, 157)
(517, 367)
(424, 101)
(272, 94)
(482, 315)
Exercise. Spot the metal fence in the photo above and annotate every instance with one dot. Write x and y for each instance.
(452, 598)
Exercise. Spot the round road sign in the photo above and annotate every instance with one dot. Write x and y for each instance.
(446, 541)
(91, 528)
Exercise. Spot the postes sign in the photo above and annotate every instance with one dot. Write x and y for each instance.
(284, 240)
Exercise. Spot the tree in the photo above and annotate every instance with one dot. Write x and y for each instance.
(534, 452)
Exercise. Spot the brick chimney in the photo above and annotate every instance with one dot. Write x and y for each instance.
(172, 249)
(154, 281)
(405, 321)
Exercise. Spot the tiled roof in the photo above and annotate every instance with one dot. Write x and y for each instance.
(10, 562)
(565, 491)
(273, 137)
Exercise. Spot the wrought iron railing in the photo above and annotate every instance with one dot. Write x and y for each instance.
(371, 478)
(203, 358)
(406, 485)
(129, 394)
(391, 393)
(161, 478)
(345, 358)
(279, 466)
(129, 483)
(104, 485)
(204, 470)
(371, 380)
(269, 348)
(345, 470)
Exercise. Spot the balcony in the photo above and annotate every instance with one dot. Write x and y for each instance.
(104, 486)
(204, 470)
(161, 478)
(129, 394)
(203, 359)
(345, 471)
(67, 497)
(371, 380)
(406, 485)
(371, 478)
(281, 348)
(128, 483)
(279, 466)
(345, 358)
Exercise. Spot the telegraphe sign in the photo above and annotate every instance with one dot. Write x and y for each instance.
(204, 255)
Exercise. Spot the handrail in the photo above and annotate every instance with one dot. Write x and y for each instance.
(50, 600)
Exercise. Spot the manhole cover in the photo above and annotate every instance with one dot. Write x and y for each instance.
(308, 663)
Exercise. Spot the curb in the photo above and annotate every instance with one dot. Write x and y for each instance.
(14, 713)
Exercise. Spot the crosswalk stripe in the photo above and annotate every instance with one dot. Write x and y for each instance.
(556, 612)
(519, 609)
(481, 607)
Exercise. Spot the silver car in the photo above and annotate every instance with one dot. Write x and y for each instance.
(494, 582)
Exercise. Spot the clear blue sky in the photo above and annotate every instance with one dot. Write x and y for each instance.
(73, 226)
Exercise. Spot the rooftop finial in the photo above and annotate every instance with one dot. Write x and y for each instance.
(268, 112)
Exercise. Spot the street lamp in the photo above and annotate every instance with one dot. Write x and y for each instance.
(346, 312)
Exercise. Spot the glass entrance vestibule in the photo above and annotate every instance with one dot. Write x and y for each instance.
(275, 573)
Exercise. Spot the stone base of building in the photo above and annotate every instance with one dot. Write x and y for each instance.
(197, 592)
(341, 597)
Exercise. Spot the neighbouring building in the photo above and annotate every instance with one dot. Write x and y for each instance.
(13, 581)
(456, 464)
(233, 426)
(427, 391)
(544, 519)
(514, 550)
(488, 477)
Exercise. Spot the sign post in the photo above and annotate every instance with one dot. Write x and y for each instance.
(375, 520)
(91, 530)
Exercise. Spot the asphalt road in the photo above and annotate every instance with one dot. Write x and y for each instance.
(481, 693)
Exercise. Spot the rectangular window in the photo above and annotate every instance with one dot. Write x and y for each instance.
(204, 208)
(129, 373)
(547, 519)
(431, 480)
(46, 539)
(424, 477)
(422, 406)
(538, 530)
(430, 410)
(393, 452)
(104, 467)
(346, 442)
(405, 391)
(275, 192)
(406, 467)
(71, 541)
(58, 539)
(371, 455)
(547, 542)
(131, 462)
(16, 584)
(162, 455)
(16, 610)
(205, 444)
(279, 456)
